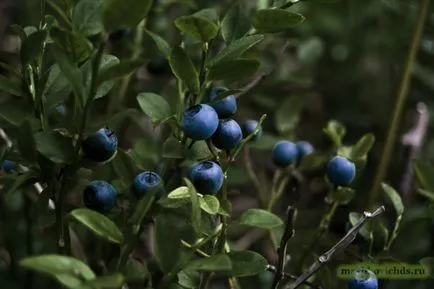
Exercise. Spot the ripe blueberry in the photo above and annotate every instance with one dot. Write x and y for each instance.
(225, 107)
(206, 176)
(100, 146)
(100, 196)
(200, 122)
(249, 127)
(304, 148)
(144, 182)
(284, 153)
(228, 135)
(363, 279)
(8, 166)
(341, 171)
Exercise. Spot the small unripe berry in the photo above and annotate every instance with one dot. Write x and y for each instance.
(284, 153)
(200, 122)
(341, 171)
(248, 127)
(100, 196)
(363, 279)
(228, 135)
(144, 182)
(304, 148)
(206, 176)
(100, 146)
(225, 107)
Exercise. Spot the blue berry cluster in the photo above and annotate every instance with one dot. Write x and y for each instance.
(286, 153)
(212, 120)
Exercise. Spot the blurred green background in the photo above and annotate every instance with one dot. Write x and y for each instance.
(344, 62)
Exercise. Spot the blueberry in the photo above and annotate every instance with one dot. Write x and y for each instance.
(249, 127)
(100, 196)
(144, 182)
(228, 135)
(304, 148)
(100, 146)
(206, 176)
(285, 153)
(363, 279)
(225, 107)
(341, 171)
(61, 109)
(8, 166)
(200, 122)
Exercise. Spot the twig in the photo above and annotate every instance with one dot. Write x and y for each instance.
(272, 268)
(287, 234)
(253, 177)
(342, 244)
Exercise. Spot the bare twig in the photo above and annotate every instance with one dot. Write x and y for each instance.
(272, 268)
(342, 244)
(287, 234)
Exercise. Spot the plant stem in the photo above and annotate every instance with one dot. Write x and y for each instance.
(137, 51)
(253, 177)
(400, 101)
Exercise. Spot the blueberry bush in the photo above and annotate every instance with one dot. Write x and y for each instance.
(127, 145)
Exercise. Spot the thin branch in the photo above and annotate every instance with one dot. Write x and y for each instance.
(342, 244)
(272, 268)
(287, 234)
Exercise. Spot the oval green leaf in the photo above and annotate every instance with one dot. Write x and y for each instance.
(209, 204)
(219, 262)
(184, 69)
(394, 197)
(118, 14)
(260, 219)
(246, 263)
(154, 106)
(275, 20)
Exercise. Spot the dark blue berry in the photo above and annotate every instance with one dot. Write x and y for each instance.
(100, 196)
(206, 176)
(200, 122)
(341, 171)
(248, 127)
(144, 182)
(363, 279)
(225, 107)
(285, 153)
(100, 146)
(228, 135)
(8, 166)
(304, 148)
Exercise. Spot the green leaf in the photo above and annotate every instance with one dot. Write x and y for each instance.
(32, 46)
(275, 20)
(118, 14)
(184, 69)
(119, 70)
(68, 271)
(366, 230)
(288, 113)
(235, 24)
(87, 17)
(135, 270)
(235, 49)
(26, 141)
(197, 27)
(234, 70)
(54, 146)
(99, 224)
(161, 44)
(172, 149)
(8, 86)
(219, 262)
(104, 88)
(124, 166)
(195, 206)
(114, 281)
(260, 219)
(394, 197)
(57, 88)
(15, 110)
(363, 146)
(179, 193)
(19, 182)
(74, 44)
(167, 242)
(424, 172)
(246, 263)
(209, 204)
(335, 131)
(154, 106)
(189, 279)
(427, 194)
(343, 195)
(71, 72)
